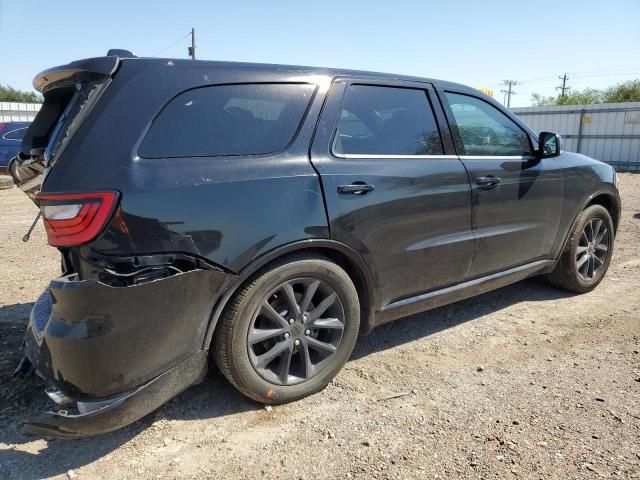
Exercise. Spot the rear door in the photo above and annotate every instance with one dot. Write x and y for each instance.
(394, 189)
(517, 197)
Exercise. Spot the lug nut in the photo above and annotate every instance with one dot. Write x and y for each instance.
(286, 335)
(304, 318)
(307, 332)
(297, 342)
(291, 321)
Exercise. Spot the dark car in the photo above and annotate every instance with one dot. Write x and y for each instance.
(11, 134)
(265, 216)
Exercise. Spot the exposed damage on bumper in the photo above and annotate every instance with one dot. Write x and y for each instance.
(112, 354)
(112, 414)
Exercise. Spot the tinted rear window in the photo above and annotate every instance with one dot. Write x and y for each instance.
(228, 120)
(387, 121)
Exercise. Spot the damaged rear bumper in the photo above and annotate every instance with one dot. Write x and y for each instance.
(103, 416)
(118, 353)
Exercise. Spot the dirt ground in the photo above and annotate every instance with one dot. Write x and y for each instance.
(524, 382)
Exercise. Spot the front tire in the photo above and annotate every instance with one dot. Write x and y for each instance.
(587, 255)
(289, 330)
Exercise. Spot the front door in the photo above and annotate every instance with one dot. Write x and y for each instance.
(394, 191)
(517, 197)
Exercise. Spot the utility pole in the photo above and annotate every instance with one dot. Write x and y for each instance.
(564, 87)
(509, 91)
(192, 48)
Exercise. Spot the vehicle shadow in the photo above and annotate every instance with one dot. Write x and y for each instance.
(20, 457)
(411, 328)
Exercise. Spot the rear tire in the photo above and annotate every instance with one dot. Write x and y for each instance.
(289, 330)
(587, 255)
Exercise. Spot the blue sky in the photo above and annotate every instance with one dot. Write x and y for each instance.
(478, 43)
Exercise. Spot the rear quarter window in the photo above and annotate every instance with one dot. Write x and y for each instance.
(248, 119)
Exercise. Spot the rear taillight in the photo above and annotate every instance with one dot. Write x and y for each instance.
(72, 219)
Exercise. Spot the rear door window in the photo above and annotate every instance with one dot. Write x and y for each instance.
(248, 119)
(378, 120)
(485, 130)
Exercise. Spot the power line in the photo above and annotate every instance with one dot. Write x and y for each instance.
(632, 70)
(173, 44)
(509, 91)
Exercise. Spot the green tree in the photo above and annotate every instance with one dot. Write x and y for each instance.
(620, 93)
(581, 97)
(9, 94)
(623, 92)
(538, 100)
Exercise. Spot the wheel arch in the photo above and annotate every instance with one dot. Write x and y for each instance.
(607, 198)
(609, 201)
(338, 252)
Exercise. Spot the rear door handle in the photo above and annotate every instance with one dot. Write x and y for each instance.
(355, 189)
(488, 181)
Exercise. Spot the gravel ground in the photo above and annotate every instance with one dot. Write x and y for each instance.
(523, 382)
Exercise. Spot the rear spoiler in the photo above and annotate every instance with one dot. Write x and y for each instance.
(66, 75)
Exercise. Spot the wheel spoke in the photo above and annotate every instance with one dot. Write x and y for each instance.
(329, 323)
(584, 238)
(258, 335)
(318, 345)
(596, 225)
(272, 315)
(580, 249)
(582, 261)
(285, 365)
(589, 230)
(602, 247)
(308, 295)
(321, 307)
(267, 357)
(599, 238)
(590, 267)
(597, 259)
(294, 309)
(305, 358)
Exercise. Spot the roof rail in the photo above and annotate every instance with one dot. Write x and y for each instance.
(120, 52)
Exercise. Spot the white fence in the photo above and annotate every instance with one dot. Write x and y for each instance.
(18, 112)
(609, 131)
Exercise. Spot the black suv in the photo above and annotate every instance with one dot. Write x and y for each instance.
(264, 216)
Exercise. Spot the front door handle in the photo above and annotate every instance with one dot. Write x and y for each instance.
(355, 188)
(488, 181)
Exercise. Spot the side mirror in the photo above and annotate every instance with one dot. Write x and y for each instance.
(549, 144)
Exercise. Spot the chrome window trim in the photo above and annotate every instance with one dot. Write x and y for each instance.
(377, 156)
(499, 157)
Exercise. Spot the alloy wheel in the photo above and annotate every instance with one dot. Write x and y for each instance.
(295, 331)
(592, 249)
